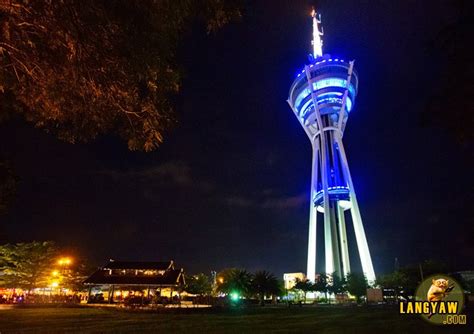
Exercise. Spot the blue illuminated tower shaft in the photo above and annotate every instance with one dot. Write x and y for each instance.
(322, 97)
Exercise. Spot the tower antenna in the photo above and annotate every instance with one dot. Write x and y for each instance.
(317, 41)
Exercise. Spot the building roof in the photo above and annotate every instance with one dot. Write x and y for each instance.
(170, 277)
(139, 265)
(168, 274)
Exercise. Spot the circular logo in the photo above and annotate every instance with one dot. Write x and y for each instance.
(441, 297)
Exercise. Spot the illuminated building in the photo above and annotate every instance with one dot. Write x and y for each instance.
(116, 279)
(290, 279)
(322, 97)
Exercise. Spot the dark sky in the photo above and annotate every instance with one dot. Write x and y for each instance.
(230, 185)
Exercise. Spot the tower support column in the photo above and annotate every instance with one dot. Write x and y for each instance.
(313, 213)
(346, 267)
(361, 239)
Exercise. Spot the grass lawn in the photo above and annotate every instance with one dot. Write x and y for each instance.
(252, 320)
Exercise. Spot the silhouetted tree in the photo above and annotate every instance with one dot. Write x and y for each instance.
(396, 280)
(81, 68)
(321, 284)
(234, 280)
(336, 284)
(199, 284)
(356, 285)
(303, 285)
(265, 283)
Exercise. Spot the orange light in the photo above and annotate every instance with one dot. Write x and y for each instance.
(64, 261)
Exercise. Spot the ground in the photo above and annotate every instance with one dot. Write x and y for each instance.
(251, 320)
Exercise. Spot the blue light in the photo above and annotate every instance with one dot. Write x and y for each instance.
(336, 190)
(348, 104)
(330, 98)
(321, 84)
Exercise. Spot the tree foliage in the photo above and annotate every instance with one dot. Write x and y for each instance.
(304, 286)
(235, 280)
(356, 285)
(321, 284)
(199, 284)
(338, 284)
(396, 280)
(265, 283)
(82, 68)
(408, 277)
(27, 265)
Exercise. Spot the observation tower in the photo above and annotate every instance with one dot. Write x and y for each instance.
(322, 97)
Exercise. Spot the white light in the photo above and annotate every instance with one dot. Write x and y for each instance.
(317, 42)
(345, 204)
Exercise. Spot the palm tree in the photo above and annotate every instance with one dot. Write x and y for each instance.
(265, 283)
(234, 281)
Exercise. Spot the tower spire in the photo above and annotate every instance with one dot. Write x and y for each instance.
(317, 42)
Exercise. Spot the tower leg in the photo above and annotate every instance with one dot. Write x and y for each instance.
(328, 249)
(346, 266)
(335, 241)
(362, 245)
(311, 266)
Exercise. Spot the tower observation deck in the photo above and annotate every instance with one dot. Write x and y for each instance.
(322, 97)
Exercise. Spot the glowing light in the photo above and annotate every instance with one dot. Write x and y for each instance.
(321, 84)
(317, 41)
(64, 261)
(54, 284)
(234, 296)
(345, 204)
(55, 273)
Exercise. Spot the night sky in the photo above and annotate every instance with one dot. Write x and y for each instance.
(230, 185)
